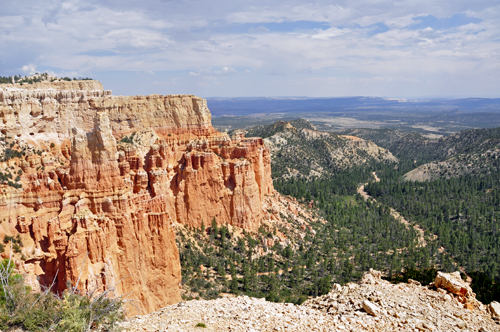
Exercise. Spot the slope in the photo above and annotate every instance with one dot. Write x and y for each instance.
(371, 305)
(298, 149)
(472, 151)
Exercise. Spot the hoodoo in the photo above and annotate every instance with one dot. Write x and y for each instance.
(105, 179)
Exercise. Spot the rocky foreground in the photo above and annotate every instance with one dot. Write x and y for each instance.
(371, 305)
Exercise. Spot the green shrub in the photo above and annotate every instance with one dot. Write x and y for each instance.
(43, 315)
(17, 248)
(14, 239)
(72, 311)
(424, 276)
(125, 139)
(129, 140)
(201, 325)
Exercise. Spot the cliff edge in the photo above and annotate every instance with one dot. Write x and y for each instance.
(102, 181)
(370, 305)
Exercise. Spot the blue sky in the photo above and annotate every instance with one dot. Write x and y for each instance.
(416, 48)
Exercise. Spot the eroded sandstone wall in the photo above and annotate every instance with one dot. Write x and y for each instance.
(94, 208)
(51, 114)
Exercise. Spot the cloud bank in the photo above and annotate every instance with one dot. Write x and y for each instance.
(260, 48)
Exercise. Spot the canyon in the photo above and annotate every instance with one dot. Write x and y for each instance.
(104, 180)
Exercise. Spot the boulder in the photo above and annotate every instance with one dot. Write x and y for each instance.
(371, 277)
(414, 282)
(371, 308)
(454, 284)
(494, 308)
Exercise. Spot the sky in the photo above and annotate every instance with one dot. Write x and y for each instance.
(234, 48)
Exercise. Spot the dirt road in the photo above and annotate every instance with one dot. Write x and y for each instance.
(421, 238)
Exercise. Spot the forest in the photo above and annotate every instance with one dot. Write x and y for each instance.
(458, 216)
(462, 212)
(37, 78)
(357, 235)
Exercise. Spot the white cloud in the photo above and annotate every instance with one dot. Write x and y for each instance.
(224, 43)
(329, 33)
(29, 69)
(212, 72)
(259, 29)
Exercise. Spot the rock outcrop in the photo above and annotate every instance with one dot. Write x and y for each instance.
(453, 283)
(96, 211)
(377, 305)
(494, 308)
(51, 114)
(85, 85)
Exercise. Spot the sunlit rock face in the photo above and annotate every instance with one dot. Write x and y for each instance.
(112, 177)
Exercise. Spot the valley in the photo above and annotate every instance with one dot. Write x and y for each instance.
(366, 196)
(322, 183)
(249, 166)
(314, 177)
(145, 189)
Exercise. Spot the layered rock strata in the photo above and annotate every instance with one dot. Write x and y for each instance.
(87, 85)
(50, 114)
(94, 211)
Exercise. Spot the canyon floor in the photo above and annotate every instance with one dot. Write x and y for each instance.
(421, 234)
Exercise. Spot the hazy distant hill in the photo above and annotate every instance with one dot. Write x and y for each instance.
(396, 141)
(246, 106)
(431, 117)
(487, 162)
(298, 149)
(277, 127)
(473, 151)
(415, 145)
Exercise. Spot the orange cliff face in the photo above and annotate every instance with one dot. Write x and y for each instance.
(91, 206)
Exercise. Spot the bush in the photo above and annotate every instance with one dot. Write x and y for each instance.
(10, 154)
(424, 276)
(17, 248)
(129, 140)
(72, 311)
(125, 139)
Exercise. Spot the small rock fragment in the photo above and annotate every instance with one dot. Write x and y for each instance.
(371, 308)
(414, 282)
